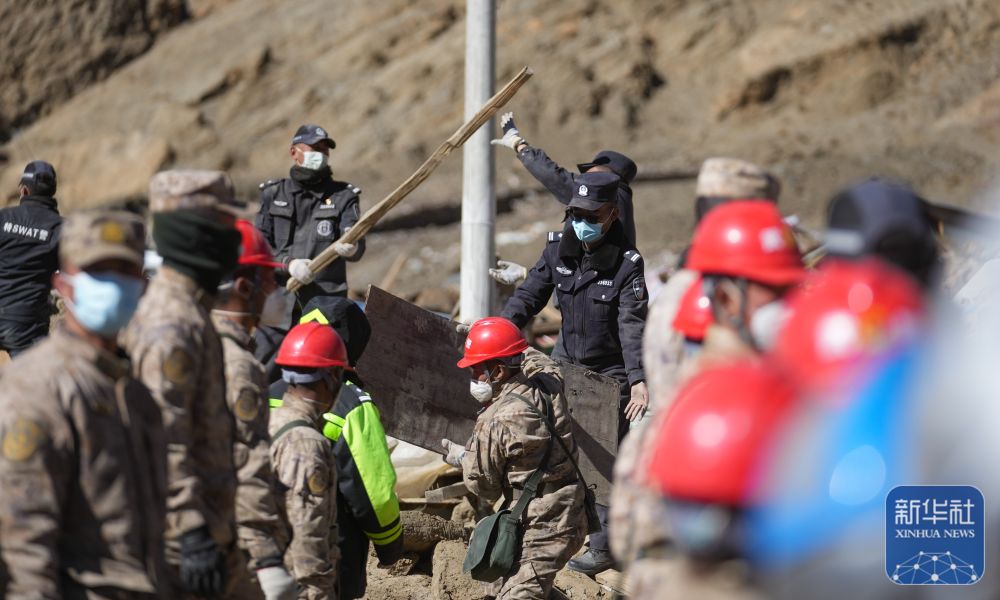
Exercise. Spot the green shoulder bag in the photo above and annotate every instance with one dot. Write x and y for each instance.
(496, 541)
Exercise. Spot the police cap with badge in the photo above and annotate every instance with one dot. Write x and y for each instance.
(312, 135)
(593, 190)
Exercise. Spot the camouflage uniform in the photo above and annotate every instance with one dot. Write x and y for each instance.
(178, 355)
(258, 527)
(306, 470)
(82, 467)
(507, 445)
(642, 534)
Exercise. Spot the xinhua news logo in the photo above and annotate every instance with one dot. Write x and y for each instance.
(935, 535)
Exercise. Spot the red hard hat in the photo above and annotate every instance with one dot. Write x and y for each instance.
(749, 239)
(711, 442)
(694, 314)
(492, 337)
(254, 249)
(844, 312)
(312, 345)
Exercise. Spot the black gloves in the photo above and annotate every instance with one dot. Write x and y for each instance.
(203, 566)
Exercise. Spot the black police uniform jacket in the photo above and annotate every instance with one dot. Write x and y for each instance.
(29, 254)
(561, 183)
(300, 221)
(602, 296)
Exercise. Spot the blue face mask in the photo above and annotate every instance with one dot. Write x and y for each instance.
(104, 302)
(587, 232)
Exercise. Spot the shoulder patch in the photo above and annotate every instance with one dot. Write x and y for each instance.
(555, 236)
(632, 255)
(268, 183)
(247, 406)
(639, 288)
(178, 368)
(353, 187)
(22, 439)
(317, 482)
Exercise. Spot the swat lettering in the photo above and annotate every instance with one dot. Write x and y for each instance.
(25, 231)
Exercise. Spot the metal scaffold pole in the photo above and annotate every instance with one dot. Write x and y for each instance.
(478, 193)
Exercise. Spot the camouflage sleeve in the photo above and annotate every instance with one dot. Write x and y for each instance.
(257, 523)
(484, 465)
(310, 503)
(35, 471)
(167, 367)
(661, 348)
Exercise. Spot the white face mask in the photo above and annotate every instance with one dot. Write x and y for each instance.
(274, 313)
(314, 161)
(766, 322)
(481, 391)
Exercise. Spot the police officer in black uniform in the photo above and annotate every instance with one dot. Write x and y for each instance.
(300, 216)
(561, 183)
(29, 255)
(597, 275)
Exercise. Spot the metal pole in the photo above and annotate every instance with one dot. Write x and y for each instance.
(478, 193)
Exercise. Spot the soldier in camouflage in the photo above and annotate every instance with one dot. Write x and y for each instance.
(178, 355)
(635, 514)
(246, 298)
(510, 441)
(312, 359)
(83, 461)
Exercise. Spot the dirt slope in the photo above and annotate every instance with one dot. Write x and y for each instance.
(821, 91)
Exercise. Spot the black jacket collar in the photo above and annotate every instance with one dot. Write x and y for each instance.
(48, 202)
(605, 257)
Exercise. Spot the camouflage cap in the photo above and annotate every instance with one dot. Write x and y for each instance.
(187, 189)
(733, 178)
(91, 236)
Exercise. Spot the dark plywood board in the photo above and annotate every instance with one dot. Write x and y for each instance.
(593, 401)
(409, 368)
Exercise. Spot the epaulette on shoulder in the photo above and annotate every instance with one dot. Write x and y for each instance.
(555, 236)
(266, 184)
(352, 187)
(632, 255)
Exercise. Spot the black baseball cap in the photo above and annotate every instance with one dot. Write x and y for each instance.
(591, 191)
(619, 164)
(312, 134)
(885, 219)
(40, 178)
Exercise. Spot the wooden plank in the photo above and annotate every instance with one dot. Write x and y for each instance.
(409, 368)
(448, 492)
(593, 401)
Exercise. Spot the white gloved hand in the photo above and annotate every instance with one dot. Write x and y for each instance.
(344, 249)
(455, 453)
(508, 273)
(277, 583)
(511, 136)
(299, 269)
(462, 328)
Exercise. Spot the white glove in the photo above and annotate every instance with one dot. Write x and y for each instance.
(299, 269)
(277, 583)
(455, 453)
(344, 249)
(462, 328)
(511, 136)
(508, 273)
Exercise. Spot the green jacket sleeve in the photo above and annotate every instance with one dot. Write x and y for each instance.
(367, 478)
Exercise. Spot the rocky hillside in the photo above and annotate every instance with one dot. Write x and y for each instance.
(822, 91)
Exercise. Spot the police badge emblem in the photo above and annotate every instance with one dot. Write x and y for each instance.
(324, 228)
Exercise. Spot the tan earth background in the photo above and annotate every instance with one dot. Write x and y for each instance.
(821, 91)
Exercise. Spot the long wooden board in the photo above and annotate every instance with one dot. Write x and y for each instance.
(409, 368)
